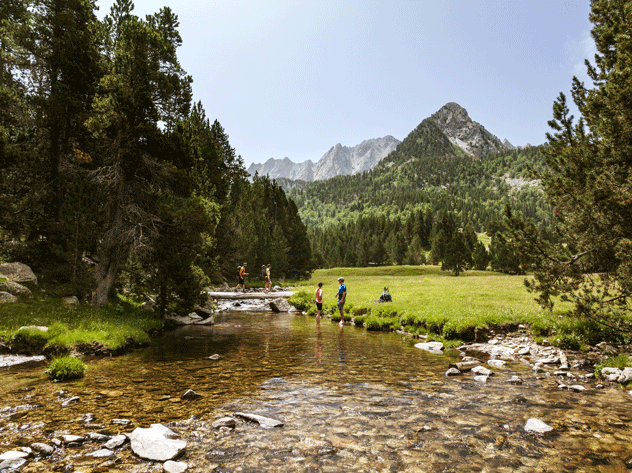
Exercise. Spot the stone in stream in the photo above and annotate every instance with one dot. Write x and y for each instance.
(224, 422)
(433, 347)
(515, 380)
(537, 426)
(214, 357)
(43, 448)
(101, 453)
(264, 422)
(12, 455)
(72, 439)
(465, 365)
(174, 467)
(190, 395)
(157, 443)
(13, 464)
(281, 305)
(452, 372)
(497, 363)
(481, 378)
(481, 370)
(115, 442)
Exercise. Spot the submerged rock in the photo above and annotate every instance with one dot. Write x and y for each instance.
(537, 426)
(224, 422)
(265, 422)
(190, 395)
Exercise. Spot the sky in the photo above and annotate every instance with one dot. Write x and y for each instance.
(294, 78)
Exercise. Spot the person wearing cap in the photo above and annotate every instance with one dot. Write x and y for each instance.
(342, 297)
(242, 277)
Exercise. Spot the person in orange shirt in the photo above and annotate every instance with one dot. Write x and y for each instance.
(242, 277)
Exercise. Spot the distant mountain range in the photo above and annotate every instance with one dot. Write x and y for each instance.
(452, 119)
(339, 160)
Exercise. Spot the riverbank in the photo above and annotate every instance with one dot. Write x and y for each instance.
(472, 307)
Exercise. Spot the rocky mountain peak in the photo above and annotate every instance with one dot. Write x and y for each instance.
(461, 130)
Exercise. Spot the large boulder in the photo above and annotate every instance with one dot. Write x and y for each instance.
(281, 305)
(19, 291)
(5, 297)
(17, 272)
(157, 443)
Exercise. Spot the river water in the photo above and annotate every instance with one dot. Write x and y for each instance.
(350, 400)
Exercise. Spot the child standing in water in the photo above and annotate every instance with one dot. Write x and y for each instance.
(319, 301)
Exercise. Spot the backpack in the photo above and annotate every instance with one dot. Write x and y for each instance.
(264, 274)
(239, 270)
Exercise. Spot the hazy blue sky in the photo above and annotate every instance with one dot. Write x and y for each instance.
(293, 78)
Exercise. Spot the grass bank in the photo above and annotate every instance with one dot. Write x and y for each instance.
(429, 301)
(120, 325)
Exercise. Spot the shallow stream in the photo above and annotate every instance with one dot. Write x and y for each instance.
(350, 400)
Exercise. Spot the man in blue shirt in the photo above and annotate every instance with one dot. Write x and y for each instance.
(342, 297)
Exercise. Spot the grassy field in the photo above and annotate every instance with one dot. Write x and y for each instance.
(429, 301)
(118, 325)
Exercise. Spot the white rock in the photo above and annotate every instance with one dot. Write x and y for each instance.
(537, 426)
(157, 443)
(497, 363)
(481, 370)
(430, 346)
(115, 442)
(174, 467)
(481, 379)
(452, 372)
(102, 453)
(12, 455)
(265, 422)
(577, 388)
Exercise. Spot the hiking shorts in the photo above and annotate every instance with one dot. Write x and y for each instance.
(341, 305)
(319, 306)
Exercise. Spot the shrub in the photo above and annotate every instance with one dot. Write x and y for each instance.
(568, 341)
(358, 320)
(302, 300)
(383, 324)
(65, 368)
(335, 317)
(620, 361)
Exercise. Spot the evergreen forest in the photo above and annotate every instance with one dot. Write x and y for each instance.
(420, 197)
(112, 178)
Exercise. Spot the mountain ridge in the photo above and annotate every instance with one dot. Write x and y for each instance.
(339, 160)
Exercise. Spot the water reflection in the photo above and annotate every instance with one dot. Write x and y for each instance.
(351, 400)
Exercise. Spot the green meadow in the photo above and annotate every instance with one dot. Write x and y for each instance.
(435, 303)
(119, 325)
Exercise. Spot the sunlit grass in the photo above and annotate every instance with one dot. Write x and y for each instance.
(429, 301)
(112, 326)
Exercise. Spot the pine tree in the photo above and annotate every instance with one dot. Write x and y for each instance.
(588, 181)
